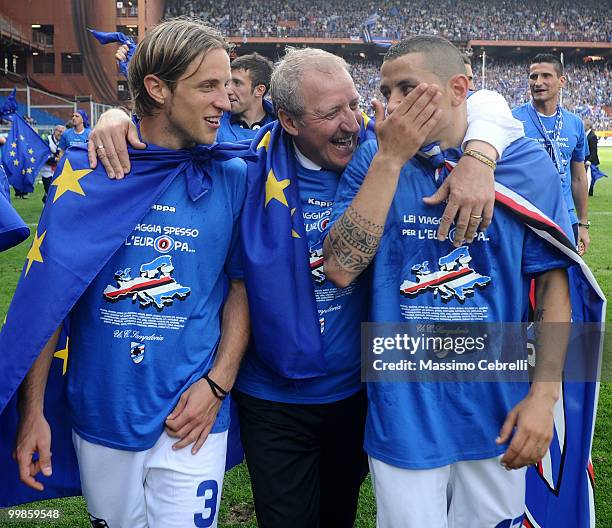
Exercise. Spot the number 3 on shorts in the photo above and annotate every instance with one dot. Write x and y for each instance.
(208, 489)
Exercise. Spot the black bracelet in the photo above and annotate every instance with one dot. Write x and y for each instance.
(218, 391)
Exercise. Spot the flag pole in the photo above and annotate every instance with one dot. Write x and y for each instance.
(484, 70)
(561, 93)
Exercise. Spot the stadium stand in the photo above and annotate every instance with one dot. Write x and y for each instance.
(457, 20)
(39, 117)
(587, 91)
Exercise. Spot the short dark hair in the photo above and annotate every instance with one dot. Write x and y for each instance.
(466, 59)
(443, 57)
(259, 68)
(549, 58)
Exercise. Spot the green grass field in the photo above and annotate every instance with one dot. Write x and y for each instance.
(237, 503)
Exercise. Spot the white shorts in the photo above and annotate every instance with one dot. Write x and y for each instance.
(156, 488)
(471, 494)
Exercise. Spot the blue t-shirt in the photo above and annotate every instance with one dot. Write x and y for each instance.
(149, 324)
(341, 311)
(234, 130)
(70, 138)
(572, 145)
(421, 425)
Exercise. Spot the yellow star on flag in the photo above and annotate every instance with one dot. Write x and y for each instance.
(68, 180)
(14, 145)
(12, 153)
(275, 189)
(16, 162)
(32, 159)
(294, 233)
(366, 119)
(34, 254)
(21, 137)
(265, 141)
(63, 355)
(29, 170)
(30, 151)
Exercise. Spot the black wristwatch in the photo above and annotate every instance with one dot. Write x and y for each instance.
(587, 225)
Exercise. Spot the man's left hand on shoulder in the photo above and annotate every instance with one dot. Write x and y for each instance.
(469, 191)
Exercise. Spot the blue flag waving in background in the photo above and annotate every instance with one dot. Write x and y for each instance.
(10, 105)
(284, 321)
(25, 154)
(12, 228)
(116, 36)
(596, 174)
(85, 220)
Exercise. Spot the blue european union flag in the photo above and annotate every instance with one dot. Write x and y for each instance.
(25, 153)
(12, 228)
(65, 481)
(284, 321)
(10, 104)
(86, 218)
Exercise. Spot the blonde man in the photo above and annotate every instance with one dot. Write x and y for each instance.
(151, 357)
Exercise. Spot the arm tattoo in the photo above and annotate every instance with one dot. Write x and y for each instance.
(538, 315)
(354, 241)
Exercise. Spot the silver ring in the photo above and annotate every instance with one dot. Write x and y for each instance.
(476, 217)
(100, 147)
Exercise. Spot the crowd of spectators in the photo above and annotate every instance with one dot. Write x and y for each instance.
(587, 91)
(457, 20)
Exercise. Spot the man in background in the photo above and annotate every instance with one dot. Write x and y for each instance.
(562, 134)
(79, 133)
(48, 169)
(247, 90)
(592, 161)
(468, 71)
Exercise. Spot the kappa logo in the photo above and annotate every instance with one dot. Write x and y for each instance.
(164, 208)
(320, 203)
(317, 264)
(155, 285)
(137, 351)
(454, 279)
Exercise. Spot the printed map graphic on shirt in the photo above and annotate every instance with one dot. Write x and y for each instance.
(316, 264)
(455, 277)
(154, 285)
